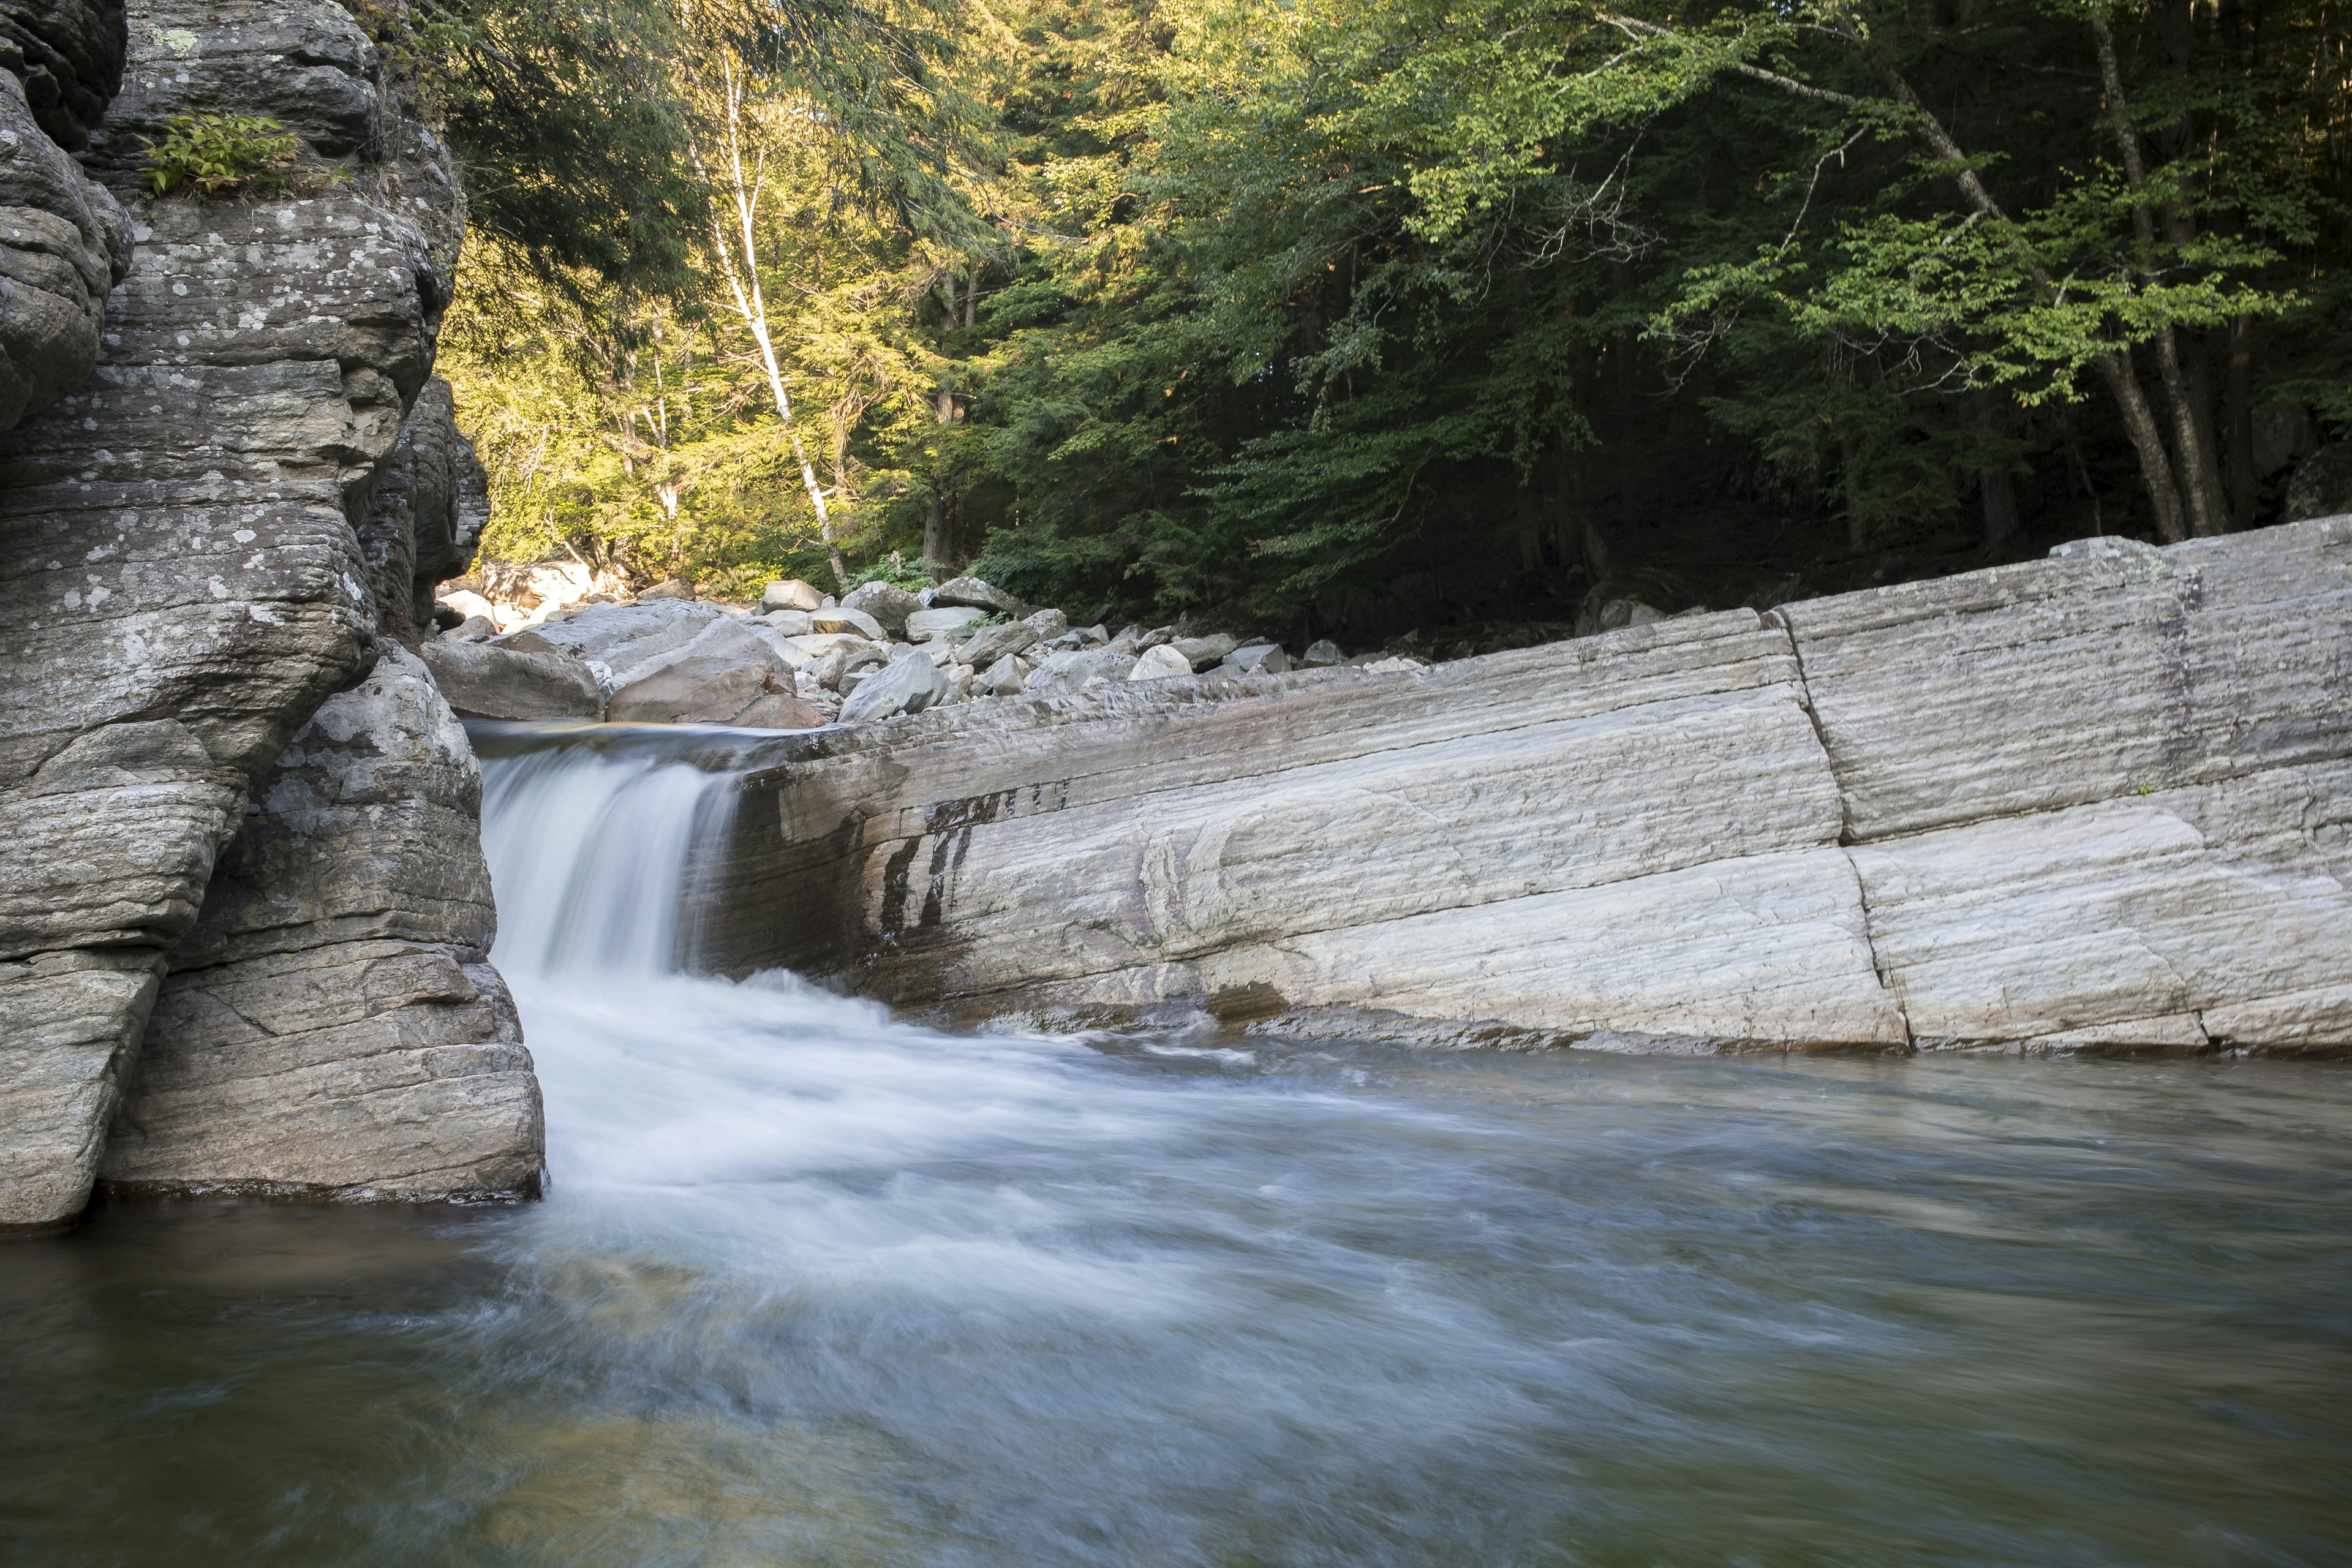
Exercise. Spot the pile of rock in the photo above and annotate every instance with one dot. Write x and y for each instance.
(801, 657)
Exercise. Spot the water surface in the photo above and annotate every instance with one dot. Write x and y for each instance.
(818, 1287)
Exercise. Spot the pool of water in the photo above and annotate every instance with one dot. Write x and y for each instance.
(818, 1287)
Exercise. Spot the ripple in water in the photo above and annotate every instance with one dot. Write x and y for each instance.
(819, 1287)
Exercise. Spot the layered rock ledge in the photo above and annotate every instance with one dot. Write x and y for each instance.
(2099, 801)
(217, 530)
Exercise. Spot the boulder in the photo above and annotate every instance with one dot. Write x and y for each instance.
(791, 594)
(1256, 659)
(904, 686)
(481, 680)
(925, 624)
(1205, 652)
(713, 691)
(477, 628)
(887, 604)
(986, 646)
(1158, 663)
(1049, 623)
(1393, 665)
(789, 623)
(972, 593)
(668, 588)
(808, 652)
(470, 605)
(842, 619)
(1077, 668)
(1005, 677)
(850, 659)
(2321, 485)
(1322, 654)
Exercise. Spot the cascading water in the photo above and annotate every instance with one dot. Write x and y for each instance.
(818, 1285)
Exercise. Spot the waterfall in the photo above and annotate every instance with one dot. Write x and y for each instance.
(595, 843)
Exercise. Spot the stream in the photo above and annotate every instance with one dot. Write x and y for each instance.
(815, 1284)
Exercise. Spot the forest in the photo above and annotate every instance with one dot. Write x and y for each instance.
(1386, 320)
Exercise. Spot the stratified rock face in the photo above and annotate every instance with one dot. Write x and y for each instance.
(182, 575)
(2102, 801)
(425, 519)
(331, 1024)
(64, 240)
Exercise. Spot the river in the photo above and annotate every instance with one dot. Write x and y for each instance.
(818, 1285)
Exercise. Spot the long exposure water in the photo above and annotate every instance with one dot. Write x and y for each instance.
(815, 1286)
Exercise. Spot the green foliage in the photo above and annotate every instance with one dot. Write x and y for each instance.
(221, 155)
(1371, 312)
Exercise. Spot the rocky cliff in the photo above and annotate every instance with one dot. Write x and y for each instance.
(2102, 800)
(197, 550)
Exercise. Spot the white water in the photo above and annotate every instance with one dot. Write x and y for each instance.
(816, 1286)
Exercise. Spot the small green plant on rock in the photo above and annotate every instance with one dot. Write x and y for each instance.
(222, 154)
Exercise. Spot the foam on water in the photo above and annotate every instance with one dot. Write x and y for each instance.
(818, 1285)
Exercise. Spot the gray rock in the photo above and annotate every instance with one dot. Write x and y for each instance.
(1005, 677)
(425, 518)
(68, 56)
(789, 623)
(751, 693)
(1256, 659)
(2083, 803)
(473, 629)
(844, 619)
(207, 483)
(1094, 636)
(1048, 623)
(903, 686)
(481, 680)
(1158, 663)
(976, 594)
(789, 593)
(668, 588)
(1076, 669)
(846, 662)
(925, 624)
(1202, 652)
(986, 646)
(332, 1026)
(888, 605)
(1323, 654)
(2321, 485)
(65, 244)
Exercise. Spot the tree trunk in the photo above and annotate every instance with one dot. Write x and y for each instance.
(1994, 487)
(2147, 441)
(2238, 400)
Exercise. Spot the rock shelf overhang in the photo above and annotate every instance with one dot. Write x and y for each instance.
(2095, 802)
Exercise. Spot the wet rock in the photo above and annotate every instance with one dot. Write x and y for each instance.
(483, 682)
(791, 594)
(889, 606)
(903, 686)
(972, 593)
(1159, 662)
